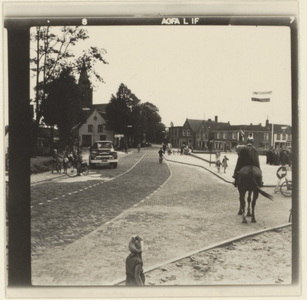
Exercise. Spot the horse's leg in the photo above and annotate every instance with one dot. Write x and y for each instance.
(255, 197)
(249, 203)
(242, 201)
(240, 212)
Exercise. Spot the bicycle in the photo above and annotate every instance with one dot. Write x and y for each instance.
(286, 188)
(72, 168)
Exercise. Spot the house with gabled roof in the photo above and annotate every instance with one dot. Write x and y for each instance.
(207, 132)
(94, 129)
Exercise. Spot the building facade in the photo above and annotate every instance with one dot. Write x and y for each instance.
(221, 136)
(94, 129)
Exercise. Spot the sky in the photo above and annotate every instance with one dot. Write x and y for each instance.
(197, 72)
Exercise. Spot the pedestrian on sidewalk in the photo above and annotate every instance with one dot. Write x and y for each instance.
(224, 163)
(134, 262)
(217, 161)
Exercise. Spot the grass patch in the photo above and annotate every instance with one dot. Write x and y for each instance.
(40, 164)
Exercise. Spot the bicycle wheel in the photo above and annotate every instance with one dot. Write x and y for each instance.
(71, 170)
(85, 170)
(286, 188)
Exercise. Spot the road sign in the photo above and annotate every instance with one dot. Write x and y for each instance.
(281, 172)
(118, 135)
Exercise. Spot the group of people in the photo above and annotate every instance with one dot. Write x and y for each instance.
(279, 156)
(220, 163)
(66, 157)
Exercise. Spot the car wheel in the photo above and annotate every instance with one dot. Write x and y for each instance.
(114, 165)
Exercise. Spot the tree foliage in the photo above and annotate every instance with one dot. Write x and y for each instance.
(52, 53)
(63, 104)
(125, 114)
(120, 110)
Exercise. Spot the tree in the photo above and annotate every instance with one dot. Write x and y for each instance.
(121, 110)
(63, 105)
(144, 120)
(151, 120)
(52, 54)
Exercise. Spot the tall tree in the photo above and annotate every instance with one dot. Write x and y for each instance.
(52, 48)
(63, 104)
(151, 120)
(120, 109)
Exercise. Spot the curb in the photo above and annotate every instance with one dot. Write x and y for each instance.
(220, 244)
(265, 186)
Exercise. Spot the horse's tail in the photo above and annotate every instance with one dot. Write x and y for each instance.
(263, 193)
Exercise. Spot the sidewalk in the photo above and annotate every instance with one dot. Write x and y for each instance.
(270, 178)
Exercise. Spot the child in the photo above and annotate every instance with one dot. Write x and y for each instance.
(134, 262)
(224, 163)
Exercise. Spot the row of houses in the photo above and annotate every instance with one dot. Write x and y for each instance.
(212, 134)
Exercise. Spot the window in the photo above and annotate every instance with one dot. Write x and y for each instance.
(266, 137)
(219, 135)
(183, 132)
(278, 136)
(188, 132)
(284, 136)
(234, 135)
(225, 136)
(100, 128)
(90, 128)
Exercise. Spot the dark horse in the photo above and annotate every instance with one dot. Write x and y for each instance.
(250, 180)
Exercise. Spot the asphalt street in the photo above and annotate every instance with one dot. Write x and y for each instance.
(81, 226)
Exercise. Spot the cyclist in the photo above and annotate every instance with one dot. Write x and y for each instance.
(161, 152)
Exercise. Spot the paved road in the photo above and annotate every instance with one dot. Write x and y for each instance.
(81, 226)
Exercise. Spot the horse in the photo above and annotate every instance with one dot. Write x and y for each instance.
(250, 180)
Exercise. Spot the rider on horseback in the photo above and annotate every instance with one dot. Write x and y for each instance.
(248, 156)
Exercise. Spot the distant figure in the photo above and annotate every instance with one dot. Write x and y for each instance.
(139, 147)
(65, 161)
(224, 163)
(218, 165)
(134, 262)
(126, 148)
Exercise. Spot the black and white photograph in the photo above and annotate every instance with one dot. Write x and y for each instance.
(152, 151)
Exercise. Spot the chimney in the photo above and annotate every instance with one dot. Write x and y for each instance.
(215, 118)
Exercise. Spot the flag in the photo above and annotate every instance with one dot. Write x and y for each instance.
(261, 96)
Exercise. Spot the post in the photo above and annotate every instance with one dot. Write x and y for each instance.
(19, 212)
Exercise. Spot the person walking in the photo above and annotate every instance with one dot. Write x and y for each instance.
(224, 163)
(134, 263)
(65, 161)
(139, 147)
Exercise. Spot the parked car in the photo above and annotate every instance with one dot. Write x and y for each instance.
(102, 152)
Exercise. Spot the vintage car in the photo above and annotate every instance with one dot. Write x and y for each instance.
(102, 152)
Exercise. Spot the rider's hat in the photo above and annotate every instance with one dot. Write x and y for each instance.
(250, 140)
